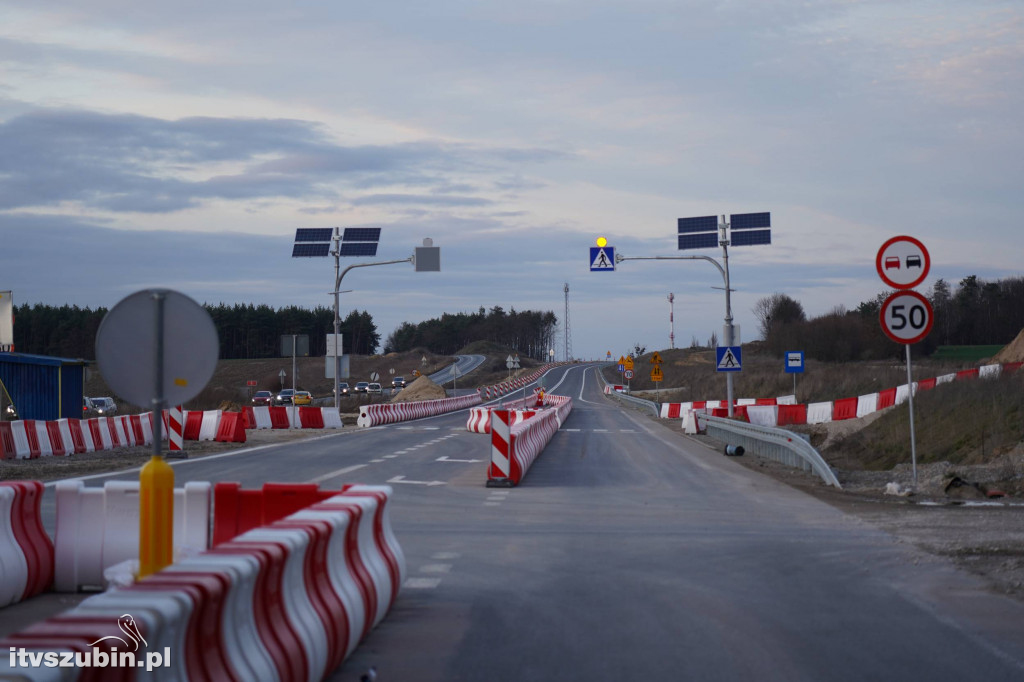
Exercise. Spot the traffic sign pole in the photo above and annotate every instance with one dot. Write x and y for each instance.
(906, 316)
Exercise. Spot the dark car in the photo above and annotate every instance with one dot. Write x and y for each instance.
(343, 388)
(262, 398)
(398, 382)
(284, 397)
(361, 387)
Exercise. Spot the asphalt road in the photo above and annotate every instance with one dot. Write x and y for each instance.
(630, 552)
(464, 364)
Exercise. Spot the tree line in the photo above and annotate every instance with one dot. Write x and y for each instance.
(974, 312)
(530, 333)
(245, 331)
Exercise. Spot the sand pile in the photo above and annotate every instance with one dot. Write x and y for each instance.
(421, 389)
(1013, 352)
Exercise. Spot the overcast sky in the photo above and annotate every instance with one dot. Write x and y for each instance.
(181, 144)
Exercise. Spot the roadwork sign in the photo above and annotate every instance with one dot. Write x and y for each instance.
(728, 359)
(656, 374)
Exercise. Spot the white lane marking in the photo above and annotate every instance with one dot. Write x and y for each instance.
(337, 472)
(422, 583)
(583, 384)
(436, 568)
(376, 461)
(445, 556)
(390, 456)
(492, 504)
(401, 479)
(600, 430)
(627, 431)
(571, 430)
(444, 458)
(404, 428)
(431, 428)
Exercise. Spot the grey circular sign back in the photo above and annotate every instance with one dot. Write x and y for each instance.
(126, 346)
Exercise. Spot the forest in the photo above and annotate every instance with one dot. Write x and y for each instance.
(245, 331)
(529, 333)
(974, 312)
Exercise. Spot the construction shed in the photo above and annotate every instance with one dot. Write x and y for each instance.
(42, 387)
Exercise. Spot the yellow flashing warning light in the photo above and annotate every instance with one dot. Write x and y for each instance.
(602, 242)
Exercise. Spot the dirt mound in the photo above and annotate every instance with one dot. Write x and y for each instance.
(421, 389)
(1013, 352)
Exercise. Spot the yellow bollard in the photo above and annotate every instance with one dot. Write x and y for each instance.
(156, 516)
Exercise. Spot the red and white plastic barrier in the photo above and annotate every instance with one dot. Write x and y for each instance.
(787, 411)
(26, 553)
(389, 413)
(288, 601)
(515, 446)
(479, 420)
(99, 527)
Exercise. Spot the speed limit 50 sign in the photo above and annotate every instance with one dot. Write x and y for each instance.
(906, 317)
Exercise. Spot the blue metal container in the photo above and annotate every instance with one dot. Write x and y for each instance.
(43, 387)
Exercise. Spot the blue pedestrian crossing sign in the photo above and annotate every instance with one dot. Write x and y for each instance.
(602, 258)
(728, 358)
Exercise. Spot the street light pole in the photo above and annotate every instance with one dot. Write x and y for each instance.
(337, 290)
(724, 271)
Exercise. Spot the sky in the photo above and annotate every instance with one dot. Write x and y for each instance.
(181, 145)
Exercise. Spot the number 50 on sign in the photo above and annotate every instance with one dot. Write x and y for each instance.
(906, 317)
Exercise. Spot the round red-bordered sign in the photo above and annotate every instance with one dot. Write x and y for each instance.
(903, 262)
(906, 317)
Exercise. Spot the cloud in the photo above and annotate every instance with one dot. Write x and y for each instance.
(131, 163)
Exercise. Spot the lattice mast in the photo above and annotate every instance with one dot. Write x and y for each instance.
(568, 329)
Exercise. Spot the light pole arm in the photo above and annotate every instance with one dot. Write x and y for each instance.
(337, 282)
(619, 258)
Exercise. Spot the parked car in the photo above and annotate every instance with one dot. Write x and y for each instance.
(343, 388)
(105, 407)
(303, 398)
(373, 388)
(284, 397)
(262, 398)
(398, 382)
(361, 387)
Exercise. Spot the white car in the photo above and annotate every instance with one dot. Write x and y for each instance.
(105, 407)
(373, 388)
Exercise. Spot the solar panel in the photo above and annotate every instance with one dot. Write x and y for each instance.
(749, 221)
(751, 237)
(361, 234)
(698, 241)
(315, 234)
(305, 250)
(706, 223)
(359, 248)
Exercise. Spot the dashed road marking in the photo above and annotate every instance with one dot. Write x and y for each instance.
(337, 472)
(422, 583)
(436, 568)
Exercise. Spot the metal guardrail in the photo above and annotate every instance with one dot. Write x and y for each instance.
(648, 404)
(780, 445)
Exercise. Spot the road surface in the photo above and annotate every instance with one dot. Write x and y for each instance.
(631, 552)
